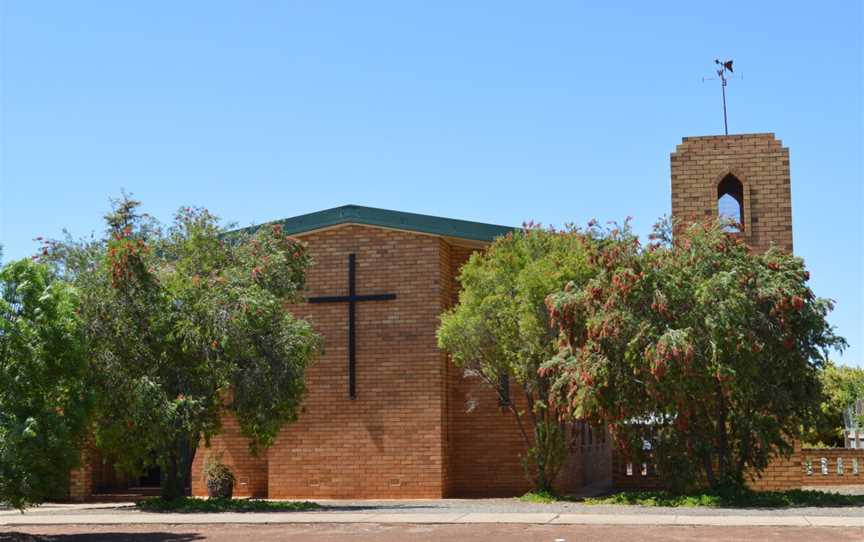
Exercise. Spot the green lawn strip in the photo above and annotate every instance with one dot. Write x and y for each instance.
(727, 499)
(190, 505)
(544, 497)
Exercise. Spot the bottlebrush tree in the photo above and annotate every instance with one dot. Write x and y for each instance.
(500, 327)
(185, 323)
(701, 356)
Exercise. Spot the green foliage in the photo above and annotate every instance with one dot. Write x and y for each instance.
(184, 324)
(501, 327)
(542, 497)
(708, 352)
(733, 498)
(841, 387)
(44, 402)
(192, 505)
(218, 477)
(214, 469)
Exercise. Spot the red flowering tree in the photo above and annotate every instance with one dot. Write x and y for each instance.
(701, 356)
(500, 333)
(184, 323)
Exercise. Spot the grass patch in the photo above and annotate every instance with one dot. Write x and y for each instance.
(544, 497)
(732, 499)
(190, 504)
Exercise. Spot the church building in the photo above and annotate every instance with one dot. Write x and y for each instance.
(387, 414)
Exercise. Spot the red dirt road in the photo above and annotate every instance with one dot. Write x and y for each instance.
(421, 533)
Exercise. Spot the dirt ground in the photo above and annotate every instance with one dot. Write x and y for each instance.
(421, 533)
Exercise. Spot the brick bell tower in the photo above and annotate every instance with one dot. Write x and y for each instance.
(744, 177)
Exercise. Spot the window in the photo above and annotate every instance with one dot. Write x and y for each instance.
(730, 202)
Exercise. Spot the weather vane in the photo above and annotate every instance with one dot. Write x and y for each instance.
(722, 69)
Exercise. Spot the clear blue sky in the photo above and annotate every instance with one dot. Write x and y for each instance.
(490, 111)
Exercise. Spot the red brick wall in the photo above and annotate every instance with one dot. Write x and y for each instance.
(249, 470)
(485, 443)
(484, 438)
(409, 433)
(781, 474)
(445, 296)
(594, 455)
(81, 479)
(631, 475)
(834, 477)
(794, 472)
(759, 161)
(387, 443)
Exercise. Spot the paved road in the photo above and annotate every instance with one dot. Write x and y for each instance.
(423, 533)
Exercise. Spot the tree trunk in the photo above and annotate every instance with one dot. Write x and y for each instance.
(543, 483)
(188, 458)
(709, 470)
(172, 482)
(722, 437)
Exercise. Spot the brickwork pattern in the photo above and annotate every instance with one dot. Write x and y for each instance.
(485, 444)
(249, 470)
(759, 161)
(410, 433)
(628, 475)
(840, 465)
(805, 467)
(485, 440)
(594, 455)
(81, 479)
(386, 443)
(782, 474)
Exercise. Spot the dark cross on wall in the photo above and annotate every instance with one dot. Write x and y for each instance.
(352, 299)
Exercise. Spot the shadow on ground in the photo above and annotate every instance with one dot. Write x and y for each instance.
(102, 537)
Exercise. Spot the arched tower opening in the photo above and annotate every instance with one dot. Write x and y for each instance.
(730, 203)
(742, 177)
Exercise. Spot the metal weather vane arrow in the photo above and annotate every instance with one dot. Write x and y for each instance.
(723, 68)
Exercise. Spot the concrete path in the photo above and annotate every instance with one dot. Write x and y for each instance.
(125, 513)
(449, 532)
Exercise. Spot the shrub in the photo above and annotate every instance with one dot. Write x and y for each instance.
(220, 480)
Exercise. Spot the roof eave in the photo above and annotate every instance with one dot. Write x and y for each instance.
(384, 218)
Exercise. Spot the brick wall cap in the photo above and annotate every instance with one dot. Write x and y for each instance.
(731, 137)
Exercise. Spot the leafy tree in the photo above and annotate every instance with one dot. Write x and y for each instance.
(703, 349)
(186, 323)
(44, 402)
(841, 387)
(501, 327)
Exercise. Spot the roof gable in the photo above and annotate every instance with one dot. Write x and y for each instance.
(384, 218)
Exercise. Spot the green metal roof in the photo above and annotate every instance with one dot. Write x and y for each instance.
(370, 216)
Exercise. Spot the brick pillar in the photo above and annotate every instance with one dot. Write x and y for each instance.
(81, 479)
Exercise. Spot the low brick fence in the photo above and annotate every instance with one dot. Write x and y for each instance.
(627, 475)
(814, 467)
(832, 466)
(805, 467)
